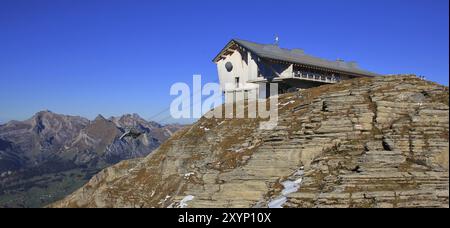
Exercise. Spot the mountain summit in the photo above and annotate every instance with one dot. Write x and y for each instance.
(378, 142)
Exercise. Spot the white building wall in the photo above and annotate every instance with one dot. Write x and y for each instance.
(288, 72)
(244, 70)
(252, 67)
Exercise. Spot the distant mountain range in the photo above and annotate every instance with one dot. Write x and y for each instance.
(49, 155)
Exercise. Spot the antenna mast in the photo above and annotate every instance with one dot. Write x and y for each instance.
(277, 40)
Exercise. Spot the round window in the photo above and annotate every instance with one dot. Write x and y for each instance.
(229, 66)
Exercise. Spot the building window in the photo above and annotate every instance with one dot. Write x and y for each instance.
(246, 95)
(236, 80)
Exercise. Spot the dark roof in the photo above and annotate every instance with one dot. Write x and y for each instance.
(296, 56)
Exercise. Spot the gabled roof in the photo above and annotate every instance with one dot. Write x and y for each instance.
(295, 56)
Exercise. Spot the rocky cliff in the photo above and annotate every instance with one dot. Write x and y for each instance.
(380, 142)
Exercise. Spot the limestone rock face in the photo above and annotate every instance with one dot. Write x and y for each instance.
(379, 142)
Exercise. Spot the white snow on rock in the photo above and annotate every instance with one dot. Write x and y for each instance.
(278, 203)
(290, 102)
(164, 200)
(185, 200)
(300, 172)
(289, 188)
(204, 128)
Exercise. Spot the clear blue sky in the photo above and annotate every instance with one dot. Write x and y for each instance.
(89, 57)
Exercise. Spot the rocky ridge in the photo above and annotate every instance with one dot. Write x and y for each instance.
(378, 142)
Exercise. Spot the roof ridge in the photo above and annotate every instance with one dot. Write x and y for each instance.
(286, 54)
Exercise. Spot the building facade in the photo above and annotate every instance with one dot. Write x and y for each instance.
(246, 70)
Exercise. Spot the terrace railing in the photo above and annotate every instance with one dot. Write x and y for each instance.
(331, 79)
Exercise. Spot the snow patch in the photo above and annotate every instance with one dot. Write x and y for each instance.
(164, 200)
(278, 203)
(289, 188)
(300, 172)
(290, 102)
(245, 148)
(187, 175)
(204, 128)
(185, 200)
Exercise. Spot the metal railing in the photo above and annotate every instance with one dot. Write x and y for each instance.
(316, 77)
